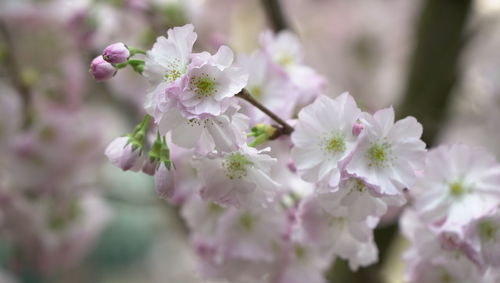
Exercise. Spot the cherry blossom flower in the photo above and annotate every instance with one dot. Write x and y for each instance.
(428, 261)
(210, 83)
(302, 262)
(251, 234)
(323, 138)
(285, 53)
(239, 178)
(459, 184)
(388, 153)
(202, 219)
(268, 87)
(483, 235)
(359, 200)
(165, 64)
(336, 232)
(167, 61)
(224, 132)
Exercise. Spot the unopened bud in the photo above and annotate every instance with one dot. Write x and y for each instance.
(149, 166)
(164, 181)
(116, 53)
(122, 154)
(357, 128)
(101, 70)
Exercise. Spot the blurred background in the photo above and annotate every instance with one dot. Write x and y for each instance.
(67, 215)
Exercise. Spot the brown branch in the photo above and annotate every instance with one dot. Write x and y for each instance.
(284, 129)
(275, 15)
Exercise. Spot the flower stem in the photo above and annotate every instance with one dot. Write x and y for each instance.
(285, 128)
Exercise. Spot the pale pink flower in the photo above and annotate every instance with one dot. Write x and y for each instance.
(165, 64)
(388, 153)
(210, 83)
(268, 87)
(168, 59)
(337, 233)
(459, 184)
(483, 235)
(284, 51)
(251, 234)
(428, 261)
(239, 178)
(359, 200)
(323, 138)
(225, 132)
(202, 219)
(302, 262)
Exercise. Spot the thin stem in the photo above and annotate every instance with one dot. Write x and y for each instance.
(285, 129)
(275, 14)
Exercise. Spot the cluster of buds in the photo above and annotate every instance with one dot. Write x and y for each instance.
(114, 57)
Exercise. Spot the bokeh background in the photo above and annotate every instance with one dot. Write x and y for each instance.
(67, 215)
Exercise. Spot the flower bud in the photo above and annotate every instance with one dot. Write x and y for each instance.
(357, 128)
(116, 53)
(164, 181)
(149, 166)
(121, 154)
(101, 70)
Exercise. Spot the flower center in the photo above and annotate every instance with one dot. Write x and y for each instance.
(236, 166)
(255, 91)
(357, 185)
(300, 251)
(203, 86)
(456, 189)
(285, 60)
(247, 221)
(215, 208)
(488, 230)
(174, 71)
(172, 75)
(334, 144)
(337, 222)
(379, 154)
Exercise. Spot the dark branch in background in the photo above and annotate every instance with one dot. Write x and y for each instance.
(14, 70)
(434, 69)
(275, 15)
(284, 129)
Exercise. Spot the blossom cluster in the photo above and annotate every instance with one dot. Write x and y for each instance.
(453, 223)
(282, 207)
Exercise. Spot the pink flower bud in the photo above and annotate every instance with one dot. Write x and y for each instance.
(357, 128)
(116, 53)
(164, 181)
(122, 155)
(101, 70)
(149, 167)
